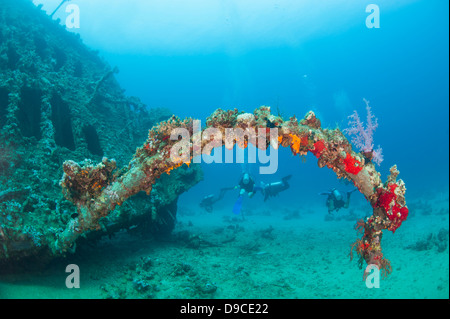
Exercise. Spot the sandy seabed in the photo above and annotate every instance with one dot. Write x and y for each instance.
(270, 254)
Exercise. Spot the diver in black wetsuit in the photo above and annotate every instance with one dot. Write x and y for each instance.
(336, 201)
(247, 185)
(272, 189)
(208, 201)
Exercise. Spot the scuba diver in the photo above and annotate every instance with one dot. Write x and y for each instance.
(272, 189)
(246, 186)
(335, 200)
(208, 201)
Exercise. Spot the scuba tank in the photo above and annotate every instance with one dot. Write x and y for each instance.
(337, 195)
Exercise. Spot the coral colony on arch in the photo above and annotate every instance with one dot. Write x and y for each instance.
(363, 136)
(213, 139)
(154, 158)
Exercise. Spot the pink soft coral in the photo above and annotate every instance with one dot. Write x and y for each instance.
(363, 137)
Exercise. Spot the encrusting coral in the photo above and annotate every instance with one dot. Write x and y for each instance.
(60, 100)
(153, 159)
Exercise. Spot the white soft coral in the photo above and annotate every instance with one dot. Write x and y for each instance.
(363, 136)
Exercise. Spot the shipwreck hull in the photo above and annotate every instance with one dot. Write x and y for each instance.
(59, 100)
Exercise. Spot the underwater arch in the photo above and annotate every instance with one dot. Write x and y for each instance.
(96, 190)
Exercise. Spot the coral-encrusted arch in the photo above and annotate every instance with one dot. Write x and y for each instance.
(153, 159)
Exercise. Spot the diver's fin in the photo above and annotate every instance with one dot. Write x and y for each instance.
(286, 178)
(237, 206)
(350, 192)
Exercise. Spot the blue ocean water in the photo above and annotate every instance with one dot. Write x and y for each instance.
(401, 68)
(294, 56)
